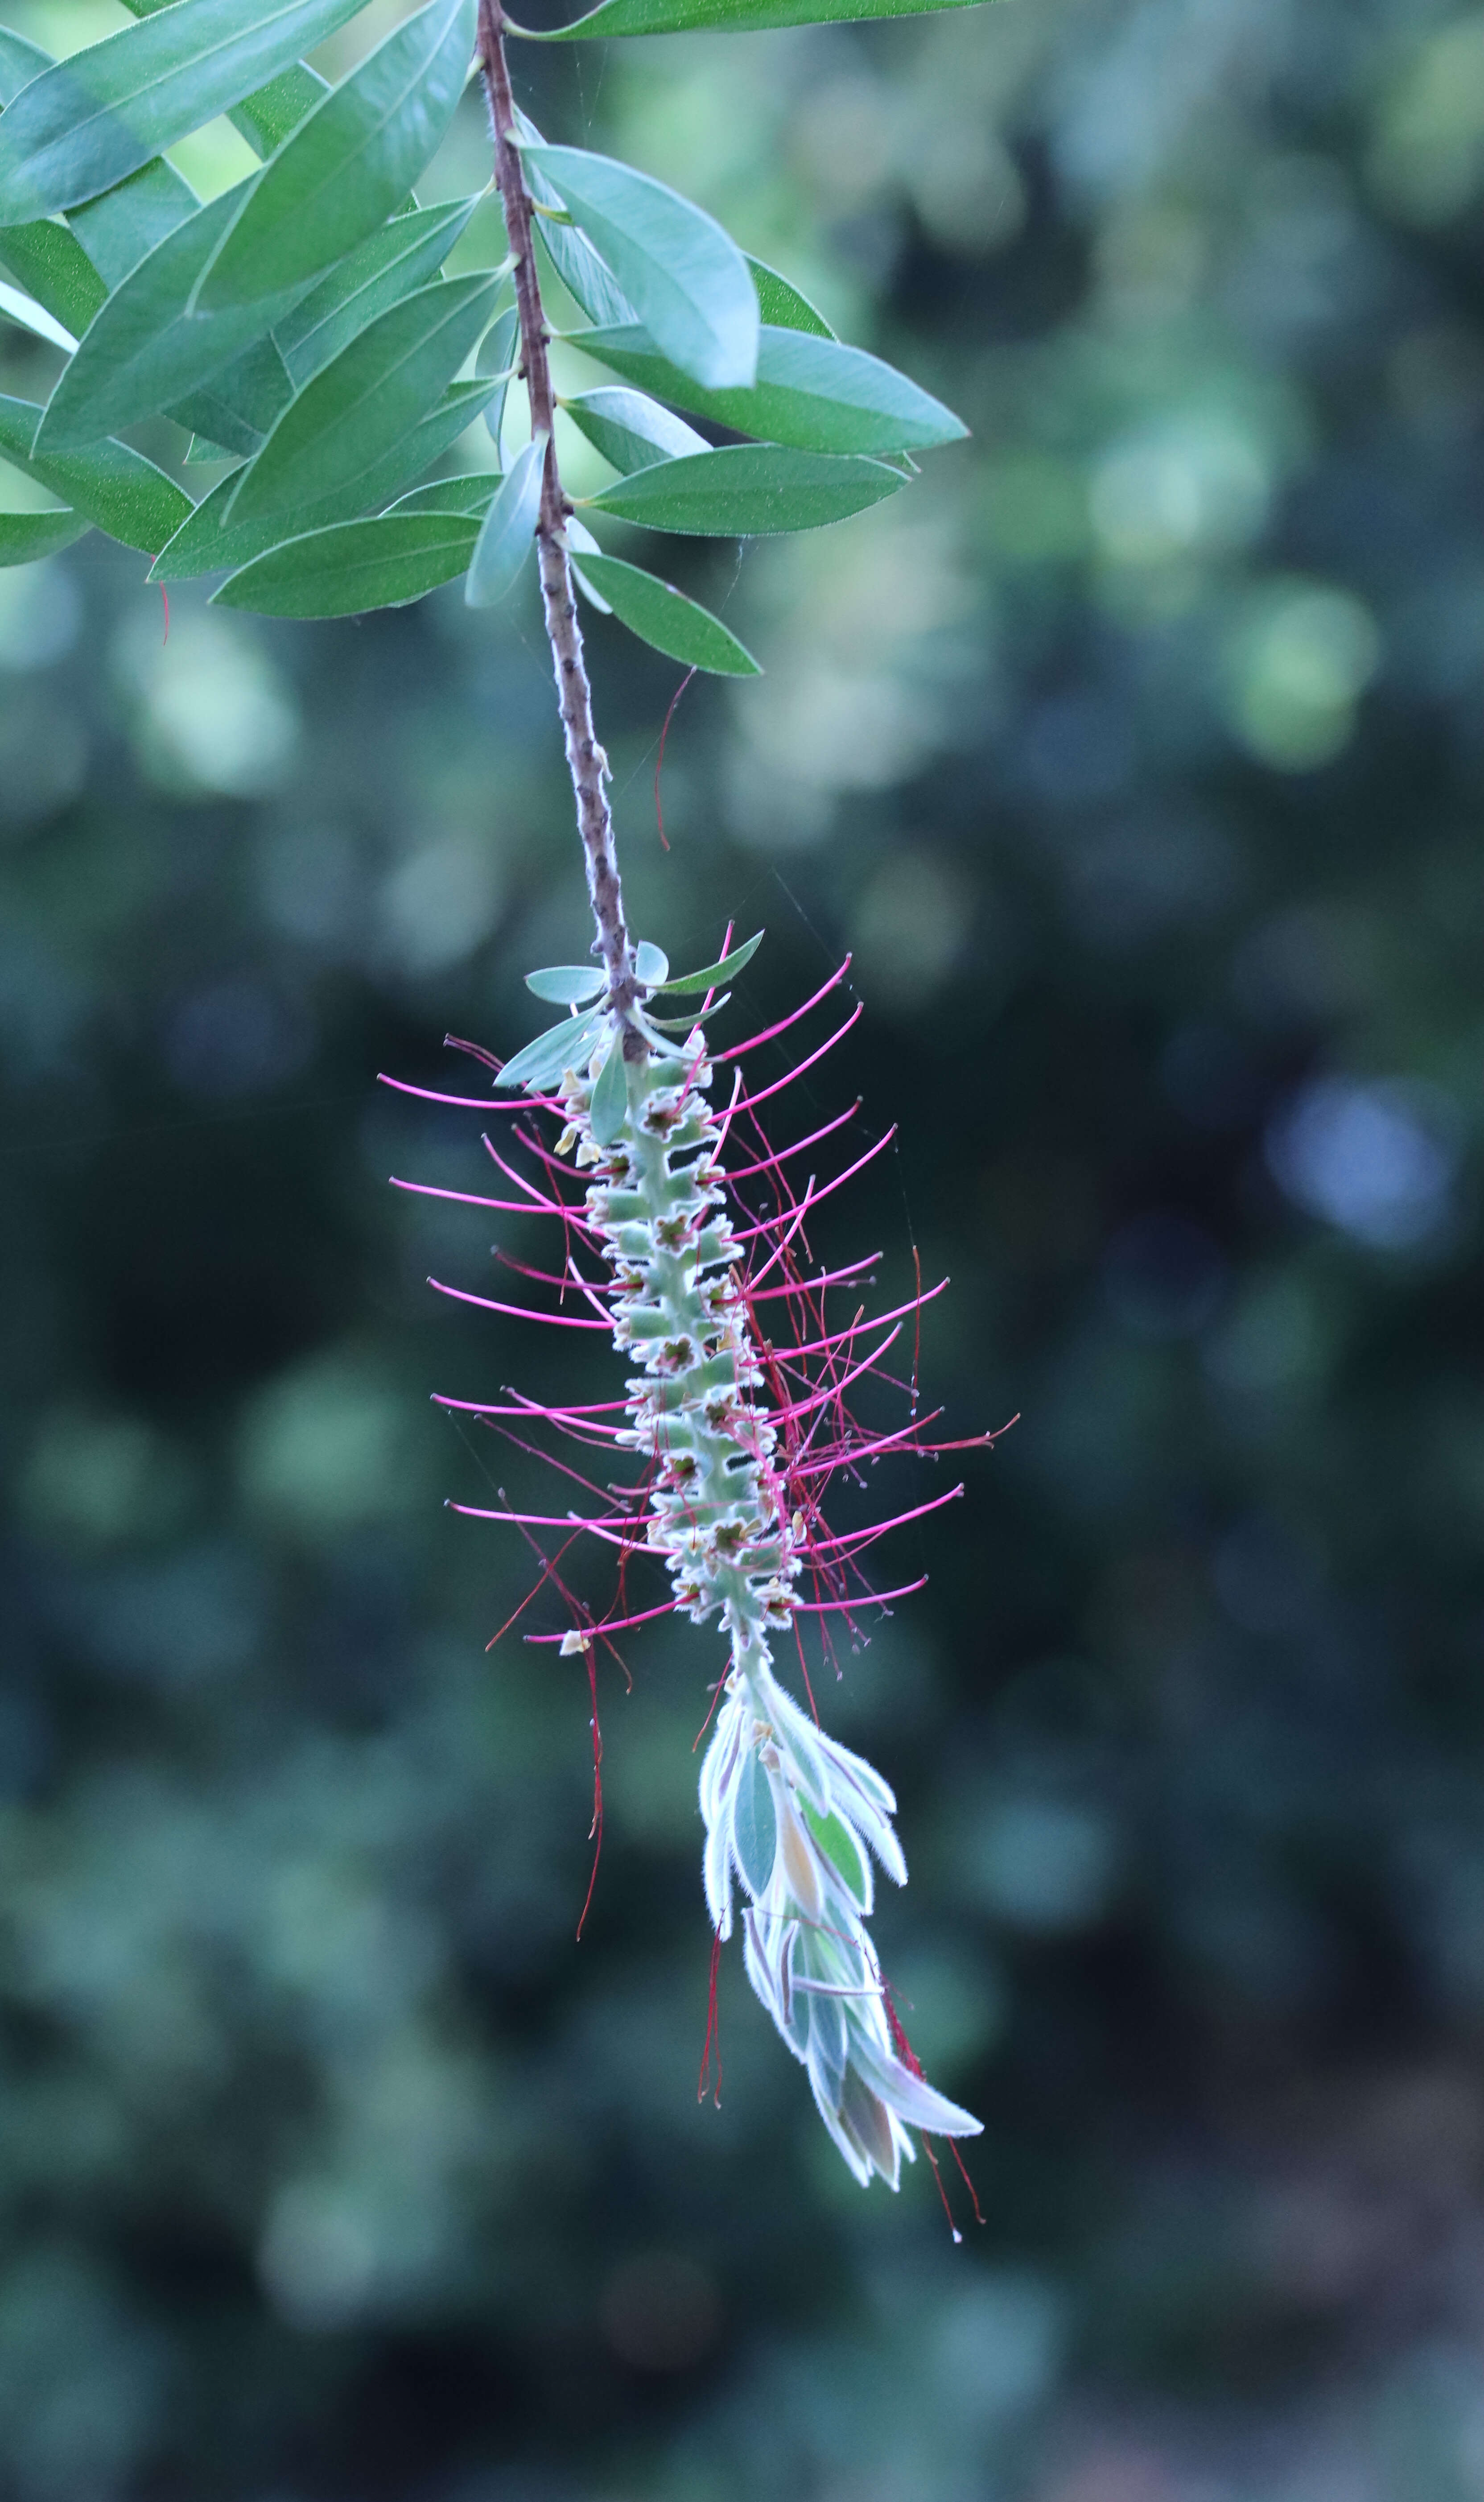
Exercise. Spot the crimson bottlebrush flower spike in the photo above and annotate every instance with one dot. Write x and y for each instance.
(737, 1418)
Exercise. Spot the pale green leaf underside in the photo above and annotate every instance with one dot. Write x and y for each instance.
(630, 430)
(663, 616)
(567, 985)
(609, 1096)
(685, 277)
(508, 532)
(811, 393)
(88, 121)
(561, 1047)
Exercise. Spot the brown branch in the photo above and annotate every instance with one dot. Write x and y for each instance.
(585, 761)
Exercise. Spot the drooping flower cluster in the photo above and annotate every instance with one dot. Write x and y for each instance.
(737, 1422)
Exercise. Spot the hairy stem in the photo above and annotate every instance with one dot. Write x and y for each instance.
(585, 761)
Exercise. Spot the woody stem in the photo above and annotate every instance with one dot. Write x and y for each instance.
(586, 764)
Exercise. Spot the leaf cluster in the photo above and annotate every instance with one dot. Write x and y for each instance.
(304, 328)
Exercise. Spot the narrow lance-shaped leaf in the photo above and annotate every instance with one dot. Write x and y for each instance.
(110, 483)
(88, 121)
(610, 1096)
(472, 492)
(681, 272)
(53, 267)
(582, 272)
(630, 430)
(238, 407)
(721, 971)
(542, 1062)
(509, 529)
(27, 536)
(497, 351)
(145, 350)
(214, 541)
(350, 163)
(401, 257)
(367, 399)
(726, 16)
(267, 115)
(355, 567)
(747, 491)
(660, 615)
(814, 394)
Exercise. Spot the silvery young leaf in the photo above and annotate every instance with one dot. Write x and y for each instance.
(812, 393)
(580, 543)
(722, 972)
(542, 1062)
(681, 271)
(651, 963)
(726, 16)
(109, 484)
(498, 353)
(508, 531)
(610, 1096)
(582, 272)
(630, 430)
(754, 1824)
(660, 615)
(472, 494)
(33, 316)
(52, 266)
(355, 567)
(780, 302)
(367, 399)
(567, 985)
(25, 536)
(145, 350)
(214, 541)
(747, 490)
(391, 264)
(345, 168)
(88, 121)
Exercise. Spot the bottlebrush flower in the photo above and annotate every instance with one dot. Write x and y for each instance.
(689, 1246)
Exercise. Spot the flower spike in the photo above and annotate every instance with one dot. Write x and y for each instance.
(735, 1431)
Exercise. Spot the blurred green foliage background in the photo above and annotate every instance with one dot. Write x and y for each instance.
(1137, 753)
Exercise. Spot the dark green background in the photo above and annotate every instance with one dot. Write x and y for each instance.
(1137, 754)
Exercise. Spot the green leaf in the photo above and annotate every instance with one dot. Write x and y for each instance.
(201, 451)
(685, 1023)
(51, 264)
(747, 490)
(722, 972)
(111, 485)
(344, 170)
(780, 302)
(34, 316)
(498, 353)
(610, 1096)
(567, 985)
(681, 271)
(812, 393)
(651, 963)
(145, 350)
(116, 230)
(403, 256)
(214, 541)
(366, 399)
(20, 61)
(839, 1846)
(725, 17)
(237, 407)
(586, 275)
(509, 527)
(473, 493)
(754, 1824)
(561, 1047)
(631, 431)
(355, 567)
(660, 615)
(27, 536)
(88, 121)
(267, 116)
